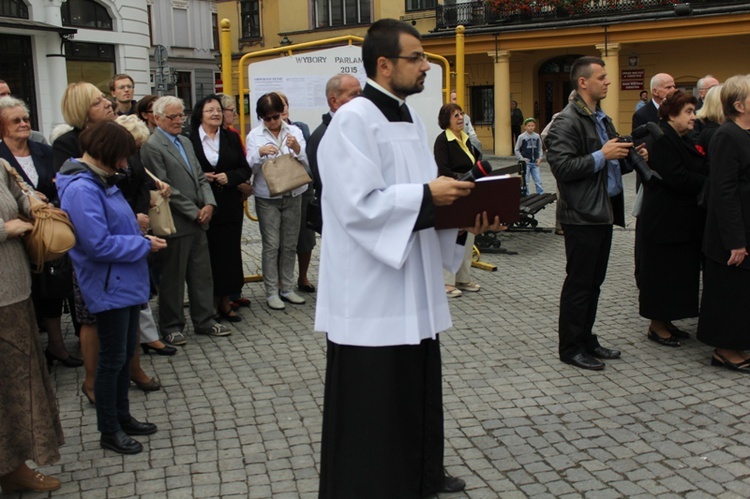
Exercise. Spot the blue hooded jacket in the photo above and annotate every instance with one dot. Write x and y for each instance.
(110, 253)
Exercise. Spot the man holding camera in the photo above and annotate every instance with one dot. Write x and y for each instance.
(585, 161)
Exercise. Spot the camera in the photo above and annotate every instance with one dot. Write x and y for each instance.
(635, 160)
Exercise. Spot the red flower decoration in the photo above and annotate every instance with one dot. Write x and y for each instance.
(700, 150)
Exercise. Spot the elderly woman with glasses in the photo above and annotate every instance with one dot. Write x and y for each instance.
(456, 155)
(278, 216)
(33, 161)
(222, 159)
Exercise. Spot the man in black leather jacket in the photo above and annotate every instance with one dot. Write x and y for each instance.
(583, 157)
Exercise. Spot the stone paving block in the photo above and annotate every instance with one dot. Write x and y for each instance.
(656, 423)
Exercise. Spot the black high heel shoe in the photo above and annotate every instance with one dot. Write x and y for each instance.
(231, 316)
(85, 394)
(69, 361)
(669, 341)
(721, 361)
(165, 350)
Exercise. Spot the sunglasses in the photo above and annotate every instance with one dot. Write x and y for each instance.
(271, 118)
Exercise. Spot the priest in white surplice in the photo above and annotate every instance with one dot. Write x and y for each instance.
(381, 298)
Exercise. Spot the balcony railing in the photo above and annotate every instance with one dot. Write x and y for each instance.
(483, 12)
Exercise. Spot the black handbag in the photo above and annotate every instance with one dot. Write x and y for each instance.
(314, 216)
(56, 279)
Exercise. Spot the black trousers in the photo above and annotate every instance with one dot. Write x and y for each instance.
(587, 253)
(382, 422)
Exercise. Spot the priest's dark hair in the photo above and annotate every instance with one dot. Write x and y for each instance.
(383, 40)
(268, 104)
(107, 142)
(582, 67)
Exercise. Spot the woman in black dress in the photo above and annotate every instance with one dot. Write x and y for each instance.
(223, 162)
(670, 225)
(725, 315)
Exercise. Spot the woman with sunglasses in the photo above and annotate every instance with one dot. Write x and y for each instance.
(279, 216)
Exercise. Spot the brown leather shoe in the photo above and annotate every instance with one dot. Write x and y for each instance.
(36, 482)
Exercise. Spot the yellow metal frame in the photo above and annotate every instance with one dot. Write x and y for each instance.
(226, 76)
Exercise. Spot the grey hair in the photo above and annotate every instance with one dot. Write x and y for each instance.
(702, 82)
(164, 102)
(135, 126)
(11, 102)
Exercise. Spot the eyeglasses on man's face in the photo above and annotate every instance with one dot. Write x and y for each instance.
(273, 117)
(173, 117)
(417, 57)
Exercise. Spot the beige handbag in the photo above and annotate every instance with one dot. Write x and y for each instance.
(160, 214)
(53, 234)
(284, 174)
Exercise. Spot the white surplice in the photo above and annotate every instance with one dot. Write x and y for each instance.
(380, 283)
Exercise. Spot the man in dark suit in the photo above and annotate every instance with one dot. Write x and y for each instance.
(662, 86)
(340, 89)
(585, 163)
(172, 159)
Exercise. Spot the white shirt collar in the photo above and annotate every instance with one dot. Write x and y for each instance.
(386, 92)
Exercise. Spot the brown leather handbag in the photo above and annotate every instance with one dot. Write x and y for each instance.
(53, 234)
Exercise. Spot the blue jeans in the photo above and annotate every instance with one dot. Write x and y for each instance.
(118, 334)
(532, 170)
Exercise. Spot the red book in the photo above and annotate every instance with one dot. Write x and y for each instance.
(498, 195)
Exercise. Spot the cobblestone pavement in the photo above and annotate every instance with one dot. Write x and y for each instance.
(241, 416)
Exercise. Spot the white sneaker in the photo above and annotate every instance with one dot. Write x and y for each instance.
(292, 297)
(275, 302)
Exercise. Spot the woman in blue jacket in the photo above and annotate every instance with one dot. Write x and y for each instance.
(110, 261)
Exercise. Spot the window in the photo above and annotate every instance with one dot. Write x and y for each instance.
(85, 14)
(92, 62)
(184, 89)
(420, 5)
(329, 13)
(483, 105)
(14, 8)
(250, 13)
(150, 26)
(181, 31)
(215, 22)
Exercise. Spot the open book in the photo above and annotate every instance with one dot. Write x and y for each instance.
(498, 195)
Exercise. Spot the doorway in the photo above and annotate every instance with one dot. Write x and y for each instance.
(554, 87)
(17, 61)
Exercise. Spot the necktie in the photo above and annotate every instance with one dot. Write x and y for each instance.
(179, 147)
(404, 114)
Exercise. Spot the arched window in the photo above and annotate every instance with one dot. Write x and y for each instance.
(85, 14)
(14, 8)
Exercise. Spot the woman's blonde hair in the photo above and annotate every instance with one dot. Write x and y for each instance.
(136, 127)
(735, 89)
(77, 100)
(711, 109)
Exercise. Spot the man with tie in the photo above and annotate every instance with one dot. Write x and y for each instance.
(380, 295)
(171, 158)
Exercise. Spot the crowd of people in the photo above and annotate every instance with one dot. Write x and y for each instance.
(114, 154)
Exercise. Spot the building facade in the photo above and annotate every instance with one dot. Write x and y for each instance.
(46, 44)
(522, 50)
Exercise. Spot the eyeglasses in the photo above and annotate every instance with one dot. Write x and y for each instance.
(458, 114)
(271, 118)
(17, 120)
(173, 117)
(124, 87)
(213, 111)
(232, 110)
(150, 111)
(414, 58)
